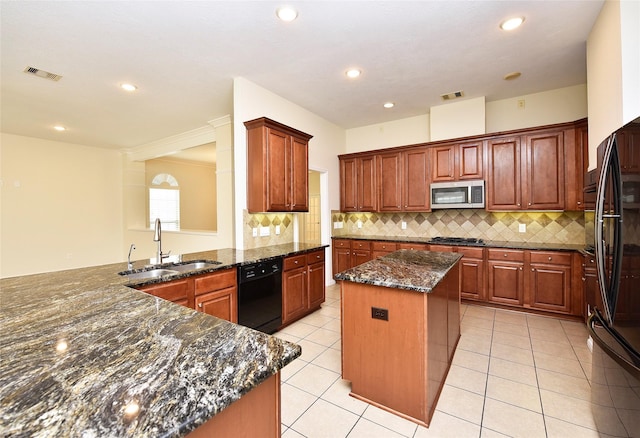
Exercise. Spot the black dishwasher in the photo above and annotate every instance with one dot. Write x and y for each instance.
(260, 295)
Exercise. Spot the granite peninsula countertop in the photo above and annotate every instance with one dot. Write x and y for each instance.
(486, 243)
(419, 271)
(79, 347)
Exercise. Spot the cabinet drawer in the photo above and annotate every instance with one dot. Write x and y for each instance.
(341, 243)
(294, 262)
(217, 281)
(556, 258)
(414, 246)
(472, 253)
(384, 246)
(361, 244)
(171, 291)
(506, 254)
(315, 257)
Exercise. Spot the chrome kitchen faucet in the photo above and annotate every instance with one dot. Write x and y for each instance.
(157, 237)
(129, 264)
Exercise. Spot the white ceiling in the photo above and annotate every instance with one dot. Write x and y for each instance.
(183, 56)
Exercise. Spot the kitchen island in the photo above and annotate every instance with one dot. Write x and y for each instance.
(400, 327)
(83, 354)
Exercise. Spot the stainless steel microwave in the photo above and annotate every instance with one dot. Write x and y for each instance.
(458, 194)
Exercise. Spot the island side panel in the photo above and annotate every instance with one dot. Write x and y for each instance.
(256, 414)
(386, 360)
(443, 328)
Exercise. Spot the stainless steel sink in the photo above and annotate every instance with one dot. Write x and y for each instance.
(193, 266)
(152, 273)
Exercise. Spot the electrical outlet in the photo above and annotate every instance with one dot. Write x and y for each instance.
(378, 313)
(403, 225)
(522, 228)
(254, 231)
(337, 225)
(264, 231)
(359, 223)
(520, 103)
(277, 229)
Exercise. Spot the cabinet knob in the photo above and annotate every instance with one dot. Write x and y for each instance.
(521, 269)
(533, 270)
(529, 203)
(584, 279)
(505, 255)
(295, 262)
(317, 256)
(200, 305)
(579, 203)
(518, 204)
(549, 258)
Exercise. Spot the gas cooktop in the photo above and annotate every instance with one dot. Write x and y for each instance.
(458, 240)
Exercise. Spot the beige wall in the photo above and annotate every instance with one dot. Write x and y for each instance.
(198, 189)
(61, 206)
(445, 119)
(545, 108)
(613, 71)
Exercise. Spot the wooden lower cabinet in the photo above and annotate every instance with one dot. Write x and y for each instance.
(472, 273)
(215, 294)
(303, 288)
(550, 281)
(506, 276)
(381, 249)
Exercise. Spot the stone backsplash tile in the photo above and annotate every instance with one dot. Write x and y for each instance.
(270, 220)
(553, 227)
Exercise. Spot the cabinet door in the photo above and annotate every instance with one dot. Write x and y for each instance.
(360, 256)
(220, 303)
(543, 185)
(416, 180)
(294, 294)
(341, 259)
(315, 277)
(443, 163)
(367, 184)
(177, 291)
(550, 287)
(469, 162)
(348, 185)
(629, 147)
(506, 282)
(278, 173)
(472, 278)
(299, 175)
(390, 182)
(503, 174)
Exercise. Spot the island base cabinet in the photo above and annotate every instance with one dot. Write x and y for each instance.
(256, 414)
(400, 363)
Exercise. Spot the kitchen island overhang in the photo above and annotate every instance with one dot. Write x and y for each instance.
(400, 323)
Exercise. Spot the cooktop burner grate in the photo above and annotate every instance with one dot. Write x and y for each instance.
(469, 240)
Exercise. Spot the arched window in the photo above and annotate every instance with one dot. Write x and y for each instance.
(164, 202)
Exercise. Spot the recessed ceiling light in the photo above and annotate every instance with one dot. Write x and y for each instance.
(353, 73)
(389, 105)
(286, 13)
(511, 23)
(128, 87)
(512, 75)
(59, 128)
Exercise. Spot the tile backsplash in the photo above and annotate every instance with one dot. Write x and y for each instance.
(270, 221)
(541, 227)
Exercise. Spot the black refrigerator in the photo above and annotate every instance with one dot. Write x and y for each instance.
(614, 325)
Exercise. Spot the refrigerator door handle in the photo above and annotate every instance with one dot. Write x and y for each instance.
(630, 367)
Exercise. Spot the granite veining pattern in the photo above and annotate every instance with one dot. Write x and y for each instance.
(419, 271)
(83, 355)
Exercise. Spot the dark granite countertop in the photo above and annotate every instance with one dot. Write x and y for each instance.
(486, 243)
(78, 348)
(419, 271)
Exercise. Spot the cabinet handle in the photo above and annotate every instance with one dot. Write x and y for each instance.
(584, 279)
(518, 204)
(521, 269)
(549, 258)
(579, 203)
(295, 262)
(529, 203)
(533, 270)
(200, 305)
(317, 256)
(505, 255)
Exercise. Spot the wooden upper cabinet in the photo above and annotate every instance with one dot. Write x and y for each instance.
(415, 195)
(277, 167)
(526, 172)
(456, 162)
(443, 161)
(629, 148)
(358, 190)
(503, 174)
(543, 179)
(390, 182)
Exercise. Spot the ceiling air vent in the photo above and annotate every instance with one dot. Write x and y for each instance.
(451, 96)
(42, 74)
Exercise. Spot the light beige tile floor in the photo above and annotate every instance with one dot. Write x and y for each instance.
(513, 374)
